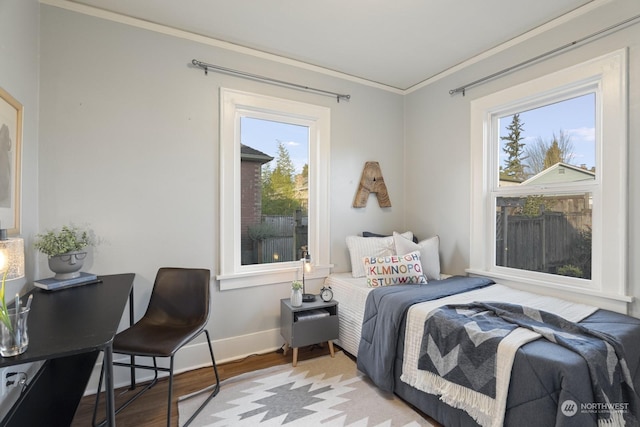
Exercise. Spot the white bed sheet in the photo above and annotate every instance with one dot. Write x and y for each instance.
(351, 294)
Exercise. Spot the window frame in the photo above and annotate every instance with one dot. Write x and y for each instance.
(233, 105)
(607, 77)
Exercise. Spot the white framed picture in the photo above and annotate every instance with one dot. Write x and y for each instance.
(10, 162)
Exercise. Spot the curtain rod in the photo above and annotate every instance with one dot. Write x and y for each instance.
(534, 59)
(206, 67)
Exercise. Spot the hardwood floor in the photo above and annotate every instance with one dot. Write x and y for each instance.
(150, 409)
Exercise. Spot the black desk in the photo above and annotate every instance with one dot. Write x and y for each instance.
(68, 329)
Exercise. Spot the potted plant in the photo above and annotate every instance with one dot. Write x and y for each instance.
(64, 248)
(296, 293)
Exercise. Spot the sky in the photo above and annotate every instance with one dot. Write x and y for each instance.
(265, 135)
(575, 116)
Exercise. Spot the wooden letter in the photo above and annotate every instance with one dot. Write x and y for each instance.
(372, 182)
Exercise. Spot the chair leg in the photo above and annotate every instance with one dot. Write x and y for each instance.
(170, 392)
(153, 382)
(214, 392)
(132, 373)
(216, 387)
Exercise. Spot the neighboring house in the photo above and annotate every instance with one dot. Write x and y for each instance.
(506, 180)
(251, 161)
(561, 172)
(580, 204)
(558, 173)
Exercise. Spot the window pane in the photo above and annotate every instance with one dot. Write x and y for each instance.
(553, 143)
(549, 234)
(274, 186)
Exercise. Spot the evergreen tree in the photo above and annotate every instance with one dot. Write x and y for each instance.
(283, 174)
(278, 185)
(514, 149)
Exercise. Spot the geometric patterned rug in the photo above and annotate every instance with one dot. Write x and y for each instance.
(324, 391)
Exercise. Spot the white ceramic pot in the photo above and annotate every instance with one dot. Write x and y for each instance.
(296, 297)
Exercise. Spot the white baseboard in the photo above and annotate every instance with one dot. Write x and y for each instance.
(194, 356)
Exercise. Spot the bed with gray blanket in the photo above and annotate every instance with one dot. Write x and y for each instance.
(552, 380)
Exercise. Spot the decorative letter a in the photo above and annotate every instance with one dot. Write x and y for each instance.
(372, 182)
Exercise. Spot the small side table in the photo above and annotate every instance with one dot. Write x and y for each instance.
(308, 324)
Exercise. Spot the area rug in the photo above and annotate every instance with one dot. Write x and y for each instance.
(324, 391)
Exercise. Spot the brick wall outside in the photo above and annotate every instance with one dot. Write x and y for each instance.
(251, 203)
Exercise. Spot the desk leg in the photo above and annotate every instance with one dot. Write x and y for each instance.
(132, 371)
(108, 384)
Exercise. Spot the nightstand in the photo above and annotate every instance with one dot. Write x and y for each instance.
(312, 323)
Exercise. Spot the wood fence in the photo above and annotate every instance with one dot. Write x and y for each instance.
(290, 234)
(541, 243)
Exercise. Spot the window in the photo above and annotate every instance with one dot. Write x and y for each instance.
(549, 181)
(550, 149)
(274, 192)
(273, 188)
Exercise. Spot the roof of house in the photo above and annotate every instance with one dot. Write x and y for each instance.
(252, 155)
(561, 172)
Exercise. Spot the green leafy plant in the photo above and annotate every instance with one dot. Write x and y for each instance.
(4, 312)
(4, 270)
(296, 284)
(68, 239)
(570, 270)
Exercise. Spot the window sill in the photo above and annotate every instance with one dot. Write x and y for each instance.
(608, 301)
(268, 277)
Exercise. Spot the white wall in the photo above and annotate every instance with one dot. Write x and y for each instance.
(437, 131)
(19, 37)
(129, 142)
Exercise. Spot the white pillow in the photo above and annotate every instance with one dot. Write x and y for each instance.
(394, 270)
(360, 247)
(429, 253)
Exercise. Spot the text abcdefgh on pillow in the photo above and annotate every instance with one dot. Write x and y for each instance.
(394, 270)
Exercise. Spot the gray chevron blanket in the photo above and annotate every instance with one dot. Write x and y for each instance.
(461, 341)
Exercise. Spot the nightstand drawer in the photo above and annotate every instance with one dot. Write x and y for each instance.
(307, 332)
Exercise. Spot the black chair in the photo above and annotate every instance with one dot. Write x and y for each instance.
(177, 313)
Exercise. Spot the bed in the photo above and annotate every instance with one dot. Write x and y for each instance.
(544, 374)
(547, 384)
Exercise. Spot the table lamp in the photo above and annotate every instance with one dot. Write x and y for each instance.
(307, 268)
(11, 256)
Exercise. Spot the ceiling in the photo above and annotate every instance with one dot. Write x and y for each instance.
(395, 43)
